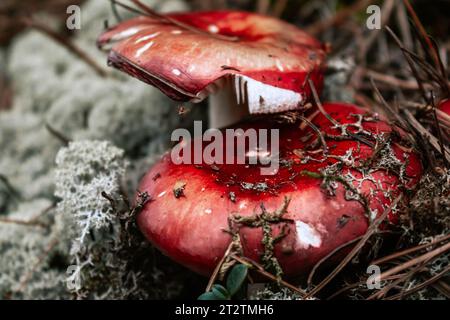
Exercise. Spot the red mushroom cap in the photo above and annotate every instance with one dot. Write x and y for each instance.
(322, 214)
(445, 106)
(186, 63)
(444, 116)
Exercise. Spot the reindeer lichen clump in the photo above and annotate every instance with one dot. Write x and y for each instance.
(53, 87)
(85, 169)
(106, 247)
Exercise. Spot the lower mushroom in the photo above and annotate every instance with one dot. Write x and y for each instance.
(338, 171)
(444, 116)
(445, 106)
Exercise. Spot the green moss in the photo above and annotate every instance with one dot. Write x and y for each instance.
(265, 220)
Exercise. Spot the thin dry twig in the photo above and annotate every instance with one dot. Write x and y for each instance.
(33, 222)
(9, 187)
(260, 269)
(279, 7)
(425, 257)
(61, 137)
(218, 267)
(438, 131)
(410, 62)
(357, 284)
(442, 287)
(370, 232)
(26, 277)
(367, 43)
(150, 12)
(405, 30)
(319, 104)
(38, 26)
(318, 264)
(426, 134)
(341, 16)
(424, 34)
(381, 293)
(392, 81)
(409, 251)
(393, 113)
(262, 6)
(318, 132)
(23, 222)
(421, 286)
(331, 119)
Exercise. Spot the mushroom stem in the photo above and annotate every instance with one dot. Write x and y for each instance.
(224, 107)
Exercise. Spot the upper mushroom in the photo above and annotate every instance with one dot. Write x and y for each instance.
(188, 56)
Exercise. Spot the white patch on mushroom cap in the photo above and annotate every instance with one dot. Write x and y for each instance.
(264, 98)
(279, 65)
(242, 205)
(147, 46)
(145, 38)
(213, 28)
(176, 72)
(307, 236)
(162, 194)
(125, 34)
(258, 97)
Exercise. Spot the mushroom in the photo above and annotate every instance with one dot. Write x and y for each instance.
(247, 63)
(443, 114)
(339, 170)
(445, 106)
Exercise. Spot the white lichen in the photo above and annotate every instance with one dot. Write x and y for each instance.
(267, 293)
(84, 170)
(52, 86)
